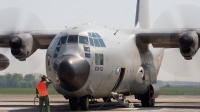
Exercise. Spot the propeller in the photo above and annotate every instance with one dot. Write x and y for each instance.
(186, 17)
(15, 20)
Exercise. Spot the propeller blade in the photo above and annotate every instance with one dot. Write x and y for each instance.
(16, 20)
(183, 16)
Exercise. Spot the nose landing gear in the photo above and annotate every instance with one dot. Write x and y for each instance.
(73, 103)
(83, 102)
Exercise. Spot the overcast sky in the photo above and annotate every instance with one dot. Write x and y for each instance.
(56, 14)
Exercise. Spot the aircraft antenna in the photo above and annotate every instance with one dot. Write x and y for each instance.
(115, 32)
(85, 12)
(123, 16)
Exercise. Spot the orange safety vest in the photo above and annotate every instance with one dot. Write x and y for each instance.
(42, 89)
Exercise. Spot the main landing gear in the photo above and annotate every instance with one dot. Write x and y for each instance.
(146, 100)
(83, 102)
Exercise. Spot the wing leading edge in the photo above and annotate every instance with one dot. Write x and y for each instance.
(187, 40)
(42, 38)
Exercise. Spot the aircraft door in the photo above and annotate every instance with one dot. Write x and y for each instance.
(120, 71)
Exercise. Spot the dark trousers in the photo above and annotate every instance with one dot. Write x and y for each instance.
(42, 100)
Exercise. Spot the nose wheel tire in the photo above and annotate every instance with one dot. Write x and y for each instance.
(84, 103)
(73, 103)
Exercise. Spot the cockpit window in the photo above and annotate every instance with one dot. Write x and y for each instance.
(102, 43)
(94, 35)
(53, 43)
(83, 40)
(89, 34)
(63, 39)
(72, 39)
(98, 35)
(96, 42)
(59, 42)
(91, 42)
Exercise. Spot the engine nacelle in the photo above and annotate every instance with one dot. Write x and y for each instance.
(22, 46)
(189, 44)
(4, 62)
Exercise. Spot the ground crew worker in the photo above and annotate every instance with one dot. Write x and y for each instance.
(42, 93)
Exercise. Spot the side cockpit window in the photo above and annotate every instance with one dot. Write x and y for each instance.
(91, 42)
(63, 39)
(83, 40)
(60, 41)
(102, 43)
(96, 40)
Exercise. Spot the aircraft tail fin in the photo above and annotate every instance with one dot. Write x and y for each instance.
(142, 14)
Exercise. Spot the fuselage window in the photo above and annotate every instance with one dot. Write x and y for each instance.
(96, 42)
(83, 40)
(99, 59)
(102, 43)
(63, 39)
(91, 42)
(87, 49)
(72, 39)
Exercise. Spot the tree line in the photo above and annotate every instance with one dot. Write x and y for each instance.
(17, 80)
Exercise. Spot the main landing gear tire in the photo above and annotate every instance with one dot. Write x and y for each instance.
(84, 103)
(152, 102)
(73, 103)
(146, 101)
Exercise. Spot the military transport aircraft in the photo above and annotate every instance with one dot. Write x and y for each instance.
(87, 61)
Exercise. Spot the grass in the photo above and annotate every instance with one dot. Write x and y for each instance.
(163, 91)
(24, 91)
(179, 91)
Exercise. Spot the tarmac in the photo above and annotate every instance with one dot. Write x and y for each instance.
(24, 103)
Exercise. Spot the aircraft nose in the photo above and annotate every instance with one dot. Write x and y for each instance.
(73, 72)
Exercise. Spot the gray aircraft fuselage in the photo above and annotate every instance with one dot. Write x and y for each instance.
(78, 68)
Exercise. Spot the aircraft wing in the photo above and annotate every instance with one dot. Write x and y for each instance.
(185, 39)
(42, 38)
(24, 43)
